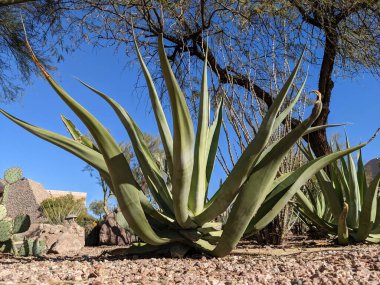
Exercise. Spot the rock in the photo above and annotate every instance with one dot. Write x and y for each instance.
(112, 234)
(372, 168)
(69, 237)
(92, 235)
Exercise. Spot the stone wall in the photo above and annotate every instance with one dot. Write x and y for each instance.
(25, 197)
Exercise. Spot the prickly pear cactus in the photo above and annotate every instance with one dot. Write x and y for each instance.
(32, 247)
(4, 194)
(9, 228)
(12, 175)
(21, 224)
(5, 229)
(3, 212)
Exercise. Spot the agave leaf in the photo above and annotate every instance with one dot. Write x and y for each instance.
(321, 127)
(342, 226)
(243, 167)
(333, 199)
(88, 155)
(307, 153)
(373, 239)
(213, 141)
(146, 161)
(281, 117)
(377, 220)
(197, 194)
(163, 128)
(307, 210)
(368, 214)
(77, 135)
(355, 199)
(125, 187)
(362, 182)
(258, 186)
(183, 141)
(92, 157)
(290, 186)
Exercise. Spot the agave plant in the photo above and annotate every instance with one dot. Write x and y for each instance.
(185, 218)
(347, 206)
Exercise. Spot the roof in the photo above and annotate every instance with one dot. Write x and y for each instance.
(60, 193)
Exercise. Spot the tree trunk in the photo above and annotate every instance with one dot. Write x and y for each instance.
(318, 140)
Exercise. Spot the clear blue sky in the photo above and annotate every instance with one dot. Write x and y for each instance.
(356, 101)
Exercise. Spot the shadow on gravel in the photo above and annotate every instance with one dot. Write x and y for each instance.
(253, 249)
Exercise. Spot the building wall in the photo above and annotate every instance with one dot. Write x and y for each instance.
(26, 195)
(24, 198)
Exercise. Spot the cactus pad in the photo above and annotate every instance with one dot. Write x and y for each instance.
(32, 247)
(3, 212)
(5, 230)
(6, 246)
(12, 175)
(21, 224)
(26, 248)
(39, 247)
(4, 194)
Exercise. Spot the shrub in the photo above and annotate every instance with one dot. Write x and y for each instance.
(56, 209)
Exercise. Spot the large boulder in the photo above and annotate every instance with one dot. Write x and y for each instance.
(60, 239)
(372, 168)
(112, 234)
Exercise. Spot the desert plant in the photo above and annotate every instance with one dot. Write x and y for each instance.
(11, 227)
(11, 176)
(345, 206)
(56, 209)
(185, 218)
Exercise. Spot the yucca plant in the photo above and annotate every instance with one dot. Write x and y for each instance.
(347, 207)
(185, 218)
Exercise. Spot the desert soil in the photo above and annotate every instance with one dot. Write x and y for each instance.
(312, 263)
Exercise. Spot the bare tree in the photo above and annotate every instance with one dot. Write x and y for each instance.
(43, 21)
(251, 45)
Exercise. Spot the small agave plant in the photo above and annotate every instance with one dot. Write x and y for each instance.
(186, 218)
(351, 208)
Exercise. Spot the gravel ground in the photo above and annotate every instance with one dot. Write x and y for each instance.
(317, 265)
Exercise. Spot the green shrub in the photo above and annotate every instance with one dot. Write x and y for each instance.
(56, 209)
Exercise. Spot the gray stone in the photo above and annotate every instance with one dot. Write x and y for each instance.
(60, 239)
(372, 168)
(112, 234)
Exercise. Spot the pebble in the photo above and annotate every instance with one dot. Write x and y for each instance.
(354, 265)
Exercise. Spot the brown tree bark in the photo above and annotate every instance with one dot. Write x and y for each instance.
(318, 140)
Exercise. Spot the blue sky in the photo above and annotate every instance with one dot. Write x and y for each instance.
(356, 101)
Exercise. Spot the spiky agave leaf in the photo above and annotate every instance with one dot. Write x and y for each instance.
(243, 167)
(125, 187)
(183, 141)
(345, 191)
(259, 195)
